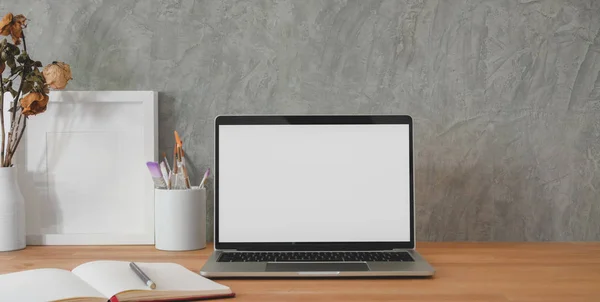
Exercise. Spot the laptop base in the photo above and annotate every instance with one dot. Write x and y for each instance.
(214, 269)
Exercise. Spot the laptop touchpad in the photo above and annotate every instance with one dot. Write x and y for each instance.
(316, 267)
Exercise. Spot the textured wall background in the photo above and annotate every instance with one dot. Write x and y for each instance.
(505, 94)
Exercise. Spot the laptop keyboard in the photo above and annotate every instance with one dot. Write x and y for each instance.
(314, 257)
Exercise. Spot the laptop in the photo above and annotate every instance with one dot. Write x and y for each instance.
(314, 196)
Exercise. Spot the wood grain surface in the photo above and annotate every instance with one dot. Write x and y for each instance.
(465, 272)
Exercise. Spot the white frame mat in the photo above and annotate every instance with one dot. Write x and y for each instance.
(82, 168)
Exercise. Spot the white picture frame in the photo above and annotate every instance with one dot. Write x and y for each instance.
(82, 168)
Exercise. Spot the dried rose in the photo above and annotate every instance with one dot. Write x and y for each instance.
(13, 26)
(34, 103)
(2, 66)
(57, 75)
(6, 24)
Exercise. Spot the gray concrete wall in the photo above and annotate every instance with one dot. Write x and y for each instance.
(505, 94)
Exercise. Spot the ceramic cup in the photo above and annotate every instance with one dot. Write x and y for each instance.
(180, 219)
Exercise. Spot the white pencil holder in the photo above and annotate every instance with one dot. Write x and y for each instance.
(180, 219)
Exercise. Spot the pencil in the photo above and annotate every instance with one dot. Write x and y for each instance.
(138, 271)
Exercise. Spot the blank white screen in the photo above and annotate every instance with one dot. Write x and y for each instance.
(314, 183)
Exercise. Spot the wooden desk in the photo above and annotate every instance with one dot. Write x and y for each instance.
(465, 272)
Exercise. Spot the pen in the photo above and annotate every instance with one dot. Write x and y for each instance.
(204, 178)
(142, 276)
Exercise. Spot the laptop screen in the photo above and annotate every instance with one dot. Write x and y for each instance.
(314, 183)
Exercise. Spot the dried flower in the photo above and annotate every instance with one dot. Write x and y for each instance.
(34, 103)
(57, 75)
(13, 26)
(34, 84)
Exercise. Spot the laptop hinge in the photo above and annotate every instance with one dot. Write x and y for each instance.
(227, 250)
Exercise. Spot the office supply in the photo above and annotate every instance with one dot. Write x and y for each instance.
(138, 271)
(182, 160)
(164, 154)
(175, 161)
(179, 182)
(67, 202)
(177, 139)
(179, 178)
(180, 219)
(101, 280)
(170, 183)
(266, 224)
(157, 177)
(204, 178)
(185, 171)
(165, 173)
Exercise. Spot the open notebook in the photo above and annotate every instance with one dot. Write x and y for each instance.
(101, 280)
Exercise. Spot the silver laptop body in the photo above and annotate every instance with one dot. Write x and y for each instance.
(314, 196)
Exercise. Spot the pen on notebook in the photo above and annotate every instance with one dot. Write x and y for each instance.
(142, 276)
(204, 178)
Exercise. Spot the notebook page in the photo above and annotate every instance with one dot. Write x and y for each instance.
(110, 277)
(45, 285)
(175, 277)
(113, 277)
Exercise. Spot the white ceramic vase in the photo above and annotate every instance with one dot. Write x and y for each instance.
(12, 212)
